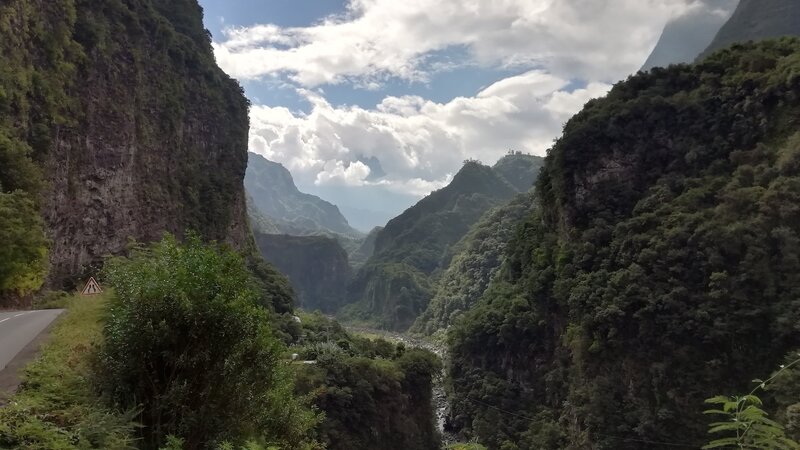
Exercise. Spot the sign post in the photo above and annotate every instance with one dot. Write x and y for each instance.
(92, 288)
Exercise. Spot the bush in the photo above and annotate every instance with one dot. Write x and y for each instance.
(187, 343)
(23, 255)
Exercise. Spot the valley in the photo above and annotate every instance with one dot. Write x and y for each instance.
(400, 226)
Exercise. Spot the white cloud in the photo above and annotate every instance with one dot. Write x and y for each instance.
(375, 39)
(336, 172)
(419, 143)
(555, 44)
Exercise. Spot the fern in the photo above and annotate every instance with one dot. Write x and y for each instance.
(746, 424)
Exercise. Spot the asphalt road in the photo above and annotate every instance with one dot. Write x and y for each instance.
(18, 328)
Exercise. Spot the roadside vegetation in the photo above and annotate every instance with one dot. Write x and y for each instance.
(57, 407)
(184, 351)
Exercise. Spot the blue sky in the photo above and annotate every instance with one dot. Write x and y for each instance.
(445, 86)
(341, 87)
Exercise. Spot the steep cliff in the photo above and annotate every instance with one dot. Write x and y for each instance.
(317, 268)
(659, 268)
(136, 129)
(478, 257)
(754, 20)
(686, 36)
(275, 194)
(394, 286)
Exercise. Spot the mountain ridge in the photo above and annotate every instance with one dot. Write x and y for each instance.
(275, 195)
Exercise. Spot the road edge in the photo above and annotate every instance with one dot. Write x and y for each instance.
(11, 375)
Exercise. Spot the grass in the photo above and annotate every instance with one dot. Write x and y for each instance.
(56, 407)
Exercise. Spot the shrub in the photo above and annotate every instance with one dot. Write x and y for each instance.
(187, 343)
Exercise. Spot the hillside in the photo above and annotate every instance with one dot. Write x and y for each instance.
(122, 109)
(316, 266)
(689, 34)
(478, 257)
(519, 169)
(659, 268)
(754, 20)
(276, 196)
(365, 250)
(393, 287)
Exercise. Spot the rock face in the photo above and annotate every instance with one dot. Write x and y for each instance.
(275, 194)
(149, 135)
(686, 36)
(317, 268)
(755, 20)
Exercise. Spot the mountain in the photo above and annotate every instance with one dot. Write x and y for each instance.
(366, 249)
(274, 194)
(687, 35)
(659, 266)
(755, 20)
(121, 107)
(478, 257)
(258, 221)
(394, 286)
(366, 219)
(519, 169)
(316, 266)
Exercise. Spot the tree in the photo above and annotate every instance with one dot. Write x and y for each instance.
(23, 254)
(187, 344)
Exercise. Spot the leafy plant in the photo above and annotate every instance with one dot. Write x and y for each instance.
(187, 343)
(748, 425)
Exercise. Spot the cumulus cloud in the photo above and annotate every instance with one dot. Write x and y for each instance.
(555, 45)
(375, 39)
(418, 142)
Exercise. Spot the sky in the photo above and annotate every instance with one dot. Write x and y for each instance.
(372, 104)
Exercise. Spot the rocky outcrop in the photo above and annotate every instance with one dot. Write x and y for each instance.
(316, 266)
(274, 194)
(687, 35)
(146, 134)
(755, 20)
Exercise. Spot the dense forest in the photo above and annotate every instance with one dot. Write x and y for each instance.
(658, 268)
(396, 284)
(374, 394)
(478, 257)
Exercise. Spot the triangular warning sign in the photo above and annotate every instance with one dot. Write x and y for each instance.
(92, 287)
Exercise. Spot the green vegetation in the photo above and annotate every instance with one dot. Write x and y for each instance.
(396, 284)
(659, 266)
(375, 394)
(23, 255)
(366, 247)
(478, 258)
(465, 447)
(519, 169)
(187, 345)
(56, 407)
(747, 425)
(317, 267)
(121, 105)
(35, 70)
